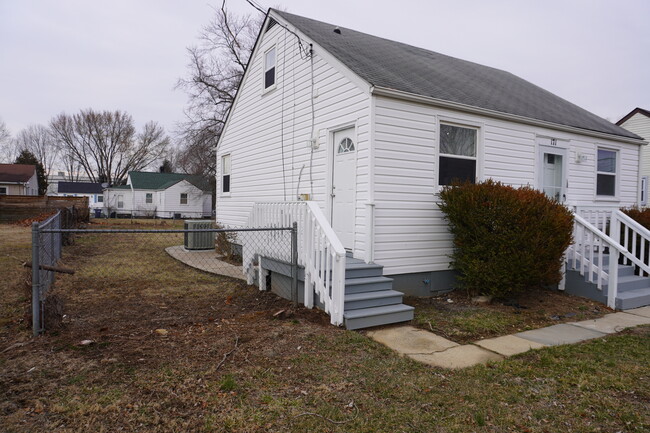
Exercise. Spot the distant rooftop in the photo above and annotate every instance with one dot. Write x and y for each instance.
(160, 181)
(16, 172)
(80, 187)
(638, 110)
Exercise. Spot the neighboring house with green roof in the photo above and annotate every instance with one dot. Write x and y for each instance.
(160, 195)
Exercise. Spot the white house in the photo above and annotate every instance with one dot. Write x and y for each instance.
(18, 179)
(159, 195)
(92, 190)
(368, 130)
(638, 122)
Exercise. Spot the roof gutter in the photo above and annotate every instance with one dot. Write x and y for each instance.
(398, 94)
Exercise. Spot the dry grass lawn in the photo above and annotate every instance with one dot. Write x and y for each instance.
(225, 363)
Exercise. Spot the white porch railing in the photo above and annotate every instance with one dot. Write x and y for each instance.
(631, 235)
(586, 254)
(320, 251)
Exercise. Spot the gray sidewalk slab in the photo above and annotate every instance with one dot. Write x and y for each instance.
(613, 323)
(509, 345)
(642, 311)
(407, 340)
(560, 334)
(457, 357)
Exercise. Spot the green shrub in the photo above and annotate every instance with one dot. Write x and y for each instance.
(505, 239)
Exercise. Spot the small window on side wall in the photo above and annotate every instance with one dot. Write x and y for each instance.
(457, 160)
(3, 190)
(269, 68)
(183, 198)
(606, 173)
(225, 173)
(149, 198)
(100, 199)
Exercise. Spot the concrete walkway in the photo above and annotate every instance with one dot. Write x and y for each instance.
(206, 260)
(426, 347)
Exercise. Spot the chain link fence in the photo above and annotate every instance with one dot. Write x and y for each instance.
(117, 259)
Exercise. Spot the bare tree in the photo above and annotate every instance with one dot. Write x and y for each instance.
(105, 144)
(215, 71)
(38, 140)
(7, 149)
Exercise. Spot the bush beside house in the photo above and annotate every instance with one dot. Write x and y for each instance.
(506, 239)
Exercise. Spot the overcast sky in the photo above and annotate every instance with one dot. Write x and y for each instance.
(66, 55)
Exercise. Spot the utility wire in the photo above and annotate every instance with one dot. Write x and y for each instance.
(304, 51)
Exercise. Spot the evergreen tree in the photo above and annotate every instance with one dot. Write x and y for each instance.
(166, 167)
(27, 157)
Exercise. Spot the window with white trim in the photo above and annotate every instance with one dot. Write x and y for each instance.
(457, 159)
(120, 201)
(606, 172)
(3, 190)
(225, 173)
(269, 68)
(100, 198)
(148, 198)
(183, 198)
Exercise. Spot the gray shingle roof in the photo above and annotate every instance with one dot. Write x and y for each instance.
(397, 66)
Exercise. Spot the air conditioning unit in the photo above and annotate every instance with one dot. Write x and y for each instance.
(199, 240)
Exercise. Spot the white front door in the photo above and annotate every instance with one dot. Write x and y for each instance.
(344, 175)
(553, 172)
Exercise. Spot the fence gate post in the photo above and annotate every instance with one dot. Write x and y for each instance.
(36, 280)
(294, 264)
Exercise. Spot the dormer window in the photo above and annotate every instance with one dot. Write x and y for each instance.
(269, 68)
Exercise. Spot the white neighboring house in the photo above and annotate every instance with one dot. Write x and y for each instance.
(159, 195)
(93, 191)
(57, 176)
(638, 121)
(368, 130)
(18, 179)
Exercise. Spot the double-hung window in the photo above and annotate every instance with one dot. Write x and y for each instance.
(457, 155)
(269, 68)
(606, 172)
(183, 198)
(100, 198)
(120, 201)
(148, 198)
(225, 173)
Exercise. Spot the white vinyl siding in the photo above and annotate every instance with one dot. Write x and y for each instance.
(640, 125)
(267, 134)
(411, 233)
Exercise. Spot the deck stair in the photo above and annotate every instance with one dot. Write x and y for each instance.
(369, 297)
(633, 290)
(621, 281)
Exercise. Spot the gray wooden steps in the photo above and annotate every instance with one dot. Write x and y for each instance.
(378, 298)
(633, 290)
(377, 316)
(369, 297)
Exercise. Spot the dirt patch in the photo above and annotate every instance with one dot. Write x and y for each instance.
(455, 316)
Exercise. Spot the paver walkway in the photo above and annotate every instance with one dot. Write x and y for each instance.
(426, 347)
(206, 260)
